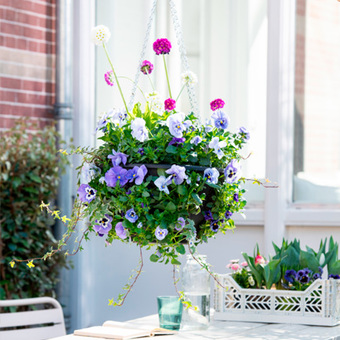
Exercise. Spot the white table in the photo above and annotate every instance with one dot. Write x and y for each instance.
(232, 330)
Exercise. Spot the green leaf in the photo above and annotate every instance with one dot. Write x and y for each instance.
(171, 149)
(145, 193)
(175, 262)
(182, 190)
(309, 260)
(196, 198)
(154, 258)
(204, 161)
(161, 172)
(180, 249)
(16, 181)
(170, 207)
(35, 178)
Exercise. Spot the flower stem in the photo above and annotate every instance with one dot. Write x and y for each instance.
(180, 92)
(114, 73)
(153, 88)
(167, 76)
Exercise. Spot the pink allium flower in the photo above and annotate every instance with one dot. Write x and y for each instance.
(235, 266)
(146, 67)
(217, 104)
(162, 46)
(108, 78)
(259, 260)
(169, 104)
(244, 264)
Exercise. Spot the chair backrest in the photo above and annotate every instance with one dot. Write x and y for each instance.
(37, 324)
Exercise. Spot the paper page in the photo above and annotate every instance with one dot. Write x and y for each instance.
(111, 332)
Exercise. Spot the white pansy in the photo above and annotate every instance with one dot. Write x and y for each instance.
(189, 77)
(100, 34)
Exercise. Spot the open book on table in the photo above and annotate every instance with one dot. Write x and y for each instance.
(121, 331)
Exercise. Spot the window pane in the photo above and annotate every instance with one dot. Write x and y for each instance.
(317, 103)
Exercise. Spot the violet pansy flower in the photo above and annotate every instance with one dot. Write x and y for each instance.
(139, 131)
(228, 214)
(208, 215)
(176, 141)
(211, 175)
(86, 193)
(114, 175)
(101, 125)
(214, 226)
(175, 124)
(120, 230)
(244, 133)
(160, 233)
(117, 157)
(162, 184)
(236, 198)
(217, 145)
(131, 216)
(119, 116)
(177, 174)
(137, 174)
(103, 225)
(232, 172)
(221, 119)
(196, 140)
(180, 224)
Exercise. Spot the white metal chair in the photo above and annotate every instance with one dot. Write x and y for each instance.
(39, 324)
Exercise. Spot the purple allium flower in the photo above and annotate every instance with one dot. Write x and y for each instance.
(236, 199)
(103, 225)
(131, 216)
(86, 193)
(334, 276)
(196, 140)
(211, 175)
(214, 226)
(208, 215)
(140, 225)
(228, 214)
(160, 233)
(88, 172)
(176, 141)
(303, 275)
(120, 230)
(244, 133)
(118, 157)
(146, 67)
(217, 145)
(232, 172)
(139, 130)
(115, 174)
(177, 174)
(217, 104)
(316, 276)
(169, 104)
(175, 124)
(221, 119)
(109, 78)
(180, 224)
(162, 46)
(141, 151)
(162, 184)
(290, 275)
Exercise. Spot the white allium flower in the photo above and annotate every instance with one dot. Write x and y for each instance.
(155, 102)
(189, 77)
(100, 34)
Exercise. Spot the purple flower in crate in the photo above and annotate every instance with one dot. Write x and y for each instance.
(176, 125)
(290, 275)
(217, 104)
(334, 276)
(303, 275)
(221, 119)
(176, 141)
(214, 226)
(160, 233)
(232, 172)
(162, 46)
(131, 216)
(228, 214)
(109, 78)
(146, 67)
(86, 193)
(316, 276)
(244, 133)
(320, 271)
(211, 175)
(114, 175)
(117, 157)
(103, 225)
(180, 224)
(177, 174)
(120, 230)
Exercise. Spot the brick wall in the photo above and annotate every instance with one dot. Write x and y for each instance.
(27, 60)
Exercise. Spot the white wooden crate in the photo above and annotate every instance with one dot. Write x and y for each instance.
(317, 305)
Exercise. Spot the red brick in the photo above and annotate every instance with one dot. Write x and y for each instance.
(22, 44)
(11, 28)
(30, 85)
(10, 83)
(10, 42)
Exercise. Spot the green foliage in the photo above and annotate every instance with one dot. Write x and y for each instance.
(29, 172)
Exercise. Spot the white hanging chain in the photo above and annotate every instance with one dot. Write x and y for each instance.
(184, 59)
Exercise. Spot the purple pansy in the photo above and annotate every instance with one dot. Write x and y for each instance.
(196, 140)
(211, 175)
(177, 174)
(217, 104)
(137, 174)
(139, 131)
(119, 116)
(232, 172)
(117, 173)
(131, 216)
(169, 104)
(180, 224)
(162, 184)
(303, 275)
(217, 145)
(208, 215)
(236, 198)
(109, 78)
(120, 230)
(334, 276)
(86, 193)
(146, 67)
(290, 275)
(117, 157)
(102, 122)
(160, 233)
(221, 119)
(176, 141)
(214, 226)
(228, 214)
(103, 225)
(162, 46)
(176, 125)
(244, 133)
(141, 151)
(316, 276)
